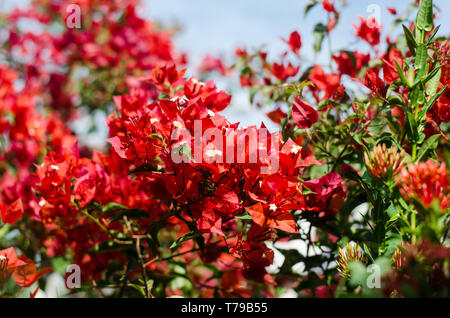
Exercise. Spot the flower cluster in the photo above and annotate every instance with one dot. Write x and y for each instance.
(182, 202)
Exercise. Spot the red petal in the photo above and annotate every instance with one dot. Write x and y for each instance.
(285, 222)
(257, 213)
(12, 212)
(27, 274)
(117, 146)
(304, 115)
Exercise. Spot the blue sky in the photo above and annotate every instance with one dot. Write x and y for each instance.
(220, 26)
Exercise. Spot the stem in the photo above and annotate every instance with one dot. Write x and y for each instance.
(96, 221)
(413, 227)
(141, 262)
(108, 232)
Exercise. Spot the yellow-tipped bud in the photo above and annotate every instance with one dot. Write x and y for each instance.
(383, 163)
(351, 253)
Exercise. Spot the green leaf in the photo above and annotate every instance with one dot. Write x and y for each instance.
(309, 6)
(430, 103)
(421, 57)
(305, 74)
(410, 40)
(433, 82)
(429, 145)
(319, 35)
(185, 238)
(132, 214)
(379, 218)
(351, 56)
(244, 216)
(112, 206)
(157, 136)
(367, 251)
(358, 138)
(411, 127)
(180, 282)
(401, 74)
(139, 288)
(396, 100)
(393, 243)
(432, 35)
(4, 230)
(185, 150)
(424, 20)
(253, 92)
(60, 264)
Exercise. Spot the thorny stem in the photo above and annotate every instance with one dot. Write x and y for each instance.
(137, 239)
(141, 262)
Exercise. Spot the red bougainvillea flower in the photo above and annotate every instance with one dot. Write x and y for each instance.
(11, 212)
(425, 182)
(328, 194)
(441, 109)
(303, 114)
(8, 263)
(325, 291)
(276, 115)
(294, 42)
(392, 11)
(283, 72)
(331, 24)
(326, 83)
(211, 63)
(368, 31)
(372, 81)
(390, 73)
(328, 6)
(255, 254)
(22, 269)
(232, 284)
(351, 65)
(27, 274)
(273, 216)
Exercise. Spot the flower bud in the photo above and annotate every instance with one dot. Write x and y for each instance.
(384, 163)
(351, 253)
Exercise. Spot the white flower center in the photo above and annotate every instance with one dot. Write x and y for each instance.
(273, 207)
(295, 149)
(54, 167)
(177, 124)
(213, 152)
